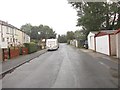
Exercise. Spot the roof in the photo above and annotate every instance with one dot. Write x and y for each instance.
(105, 32)
(9, 25)
(117, 31)
(108, 31)
(93, 33)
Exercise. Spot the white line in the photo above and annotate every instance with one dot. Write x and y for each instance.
(104, 65)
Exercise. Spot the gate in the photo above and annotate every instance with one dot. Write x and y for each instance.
(6, 54)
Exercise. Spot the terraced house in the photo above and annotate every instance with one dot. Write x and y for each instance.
(11, 35)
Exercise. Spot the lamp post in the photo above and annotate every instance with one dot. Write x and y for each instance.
(38, 36)
(39, 33)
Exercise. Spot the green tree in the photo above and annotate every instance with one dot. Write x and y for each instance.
(38, 32)
(70, 35)
(118, 19)
(26, 28)
(80, 35)
(62, 39)
(94, 16)
(47, 32)
(34, 33)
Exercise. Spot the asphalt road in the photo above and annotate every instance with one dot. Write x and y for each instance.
(68, 67)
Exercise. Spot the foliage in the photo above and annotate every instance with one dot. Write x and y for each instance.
(32, 47)
(80, 35)
(27, 28)
(94, 16)
(62, 39)
(38, 32)
(70, 35)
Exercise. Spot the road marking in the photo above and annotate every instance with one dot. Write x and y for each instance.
(104, 65)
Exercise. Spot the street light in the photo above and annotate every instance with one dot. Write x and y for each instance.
(39, 33)
(38, 36)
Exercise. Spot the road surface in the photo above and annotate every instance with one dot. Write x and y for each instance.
(68, 67)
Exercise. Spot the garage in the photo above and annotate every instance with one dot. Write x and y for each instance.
(118, 43)
(91, 40)
(106, 42)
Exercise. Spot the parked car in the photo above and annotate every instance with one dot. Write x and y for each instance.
(86, 44)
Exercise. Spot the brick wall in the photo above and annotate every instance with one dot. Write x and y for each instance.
(24, 51)
(14, 53)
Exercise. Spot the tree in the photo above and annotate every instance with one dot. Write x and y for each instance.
(70, 35)
(34, 33)
(26, 28)
(62, 39)
(38, 32)
(118, 12)
(94, 16)
(80, 35)
(48, 32)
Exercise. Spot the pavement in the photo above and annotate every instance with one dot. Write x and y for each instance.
(15, 62)
(67, 67)
(100, 55)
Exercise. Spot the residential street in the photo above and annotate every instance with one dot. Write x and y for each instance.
(67, 67)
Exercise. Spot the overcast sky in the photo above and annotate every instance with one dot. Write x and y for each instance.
(57, 14)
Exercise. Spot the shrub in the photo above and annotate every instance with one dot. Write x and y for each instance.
(32, 47)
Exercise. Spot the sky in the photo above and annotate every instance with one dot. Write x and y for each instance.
(57, 14)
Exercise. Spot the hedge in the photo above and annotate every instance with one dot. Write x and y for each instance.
(32, 47)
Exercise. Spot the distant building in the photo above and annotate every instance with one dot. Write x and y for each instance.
(74, 42)
(11, 36)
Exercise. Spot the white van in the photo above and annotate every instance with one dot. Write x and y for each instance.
(52, 44)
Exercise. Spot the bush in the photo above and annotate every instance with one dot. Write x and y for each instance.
(32, 47)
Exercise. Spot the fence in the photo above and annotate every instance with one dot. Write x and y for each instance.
(10, 53)
(5, 54)
(14, 52)
(24, 51)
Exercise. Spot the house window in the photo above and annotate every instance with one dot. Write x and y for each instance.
(11, 40)
(16, 40)
(11, 45)
(7, 39)
(7, 30)
(15, 31)
(3, 39)
(11, 30)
